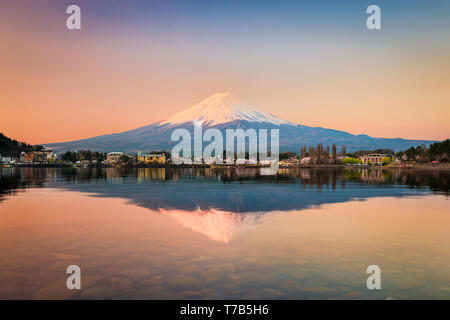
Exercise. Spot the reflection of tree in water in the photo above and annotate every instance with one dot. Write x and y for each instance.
(437, 181)
(11, 181)
(314, 178)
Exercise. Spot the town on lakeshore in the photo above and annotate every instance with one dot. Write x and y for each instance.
(437, 155)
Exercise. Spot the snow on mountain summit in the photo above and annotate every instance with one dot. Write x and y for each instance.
(222, 108)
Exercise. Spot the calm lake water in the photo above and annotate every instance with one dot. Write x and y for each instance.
(224, 234)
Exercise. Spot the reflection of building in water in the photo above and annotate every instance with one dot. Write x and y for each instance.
(114, 176)
(39, 174)
(7, 172)
(235, 174)
(372, 176)
(304, 174)
(151, 174)
(376, 175)
(217, 225)
(51, 174)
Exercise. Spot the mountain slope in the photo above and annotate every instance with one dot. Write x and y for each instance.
(223, 111)
(11, 147)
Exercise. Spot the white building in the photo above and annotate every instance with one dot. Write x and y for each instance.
(113, 157)
(306, 160)
(6, 160)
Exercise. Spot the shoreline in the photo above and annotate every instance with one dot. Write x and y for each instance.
(205, 166)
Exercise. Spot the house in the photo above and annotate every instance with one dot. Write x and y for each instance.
(36, 157)
(48, 154)
(84, 163)
(146, 157)
(113, 157)
(212, 160)
(27, 157)
(39, 158)
(290, 162)
(6, 160)
(306, 160)
(268, 162)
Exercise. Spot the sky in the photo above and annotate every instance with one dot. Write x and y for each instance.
(137, 62)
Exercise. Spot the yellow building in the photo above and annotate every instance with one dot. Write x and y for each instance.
(151, 158)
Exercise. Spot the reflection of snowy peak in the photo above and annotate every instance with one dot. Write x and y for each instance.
(222, 108)
(216, 224)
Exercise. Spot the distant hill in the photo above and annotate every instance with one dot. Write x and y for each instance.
(13, 148)
(223, 111)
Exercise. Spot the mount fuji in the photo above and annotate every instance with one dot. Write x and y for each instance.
(224, 111)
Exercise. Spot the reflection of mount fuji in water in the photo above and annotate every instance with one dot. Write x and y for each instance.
(217, 225)
(223, 203)
(245, 191)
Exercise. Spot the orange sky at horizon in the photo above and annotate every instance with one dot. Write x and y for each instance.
(58, 85)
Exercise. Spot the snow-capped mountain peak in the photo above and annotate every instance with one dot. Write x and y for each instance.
(222, 108)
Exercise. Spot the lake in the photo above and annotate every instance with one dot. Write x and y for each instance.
(154, 233)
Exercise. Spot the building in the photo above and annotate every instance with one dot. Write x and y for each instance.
(305, 161)
(27, 157)
(146, 157)
(40, 158)
(6, 160)
(48, 154)
(37, 157)
(290, 162)
(375, 158)
(268, 162)
(113, 157)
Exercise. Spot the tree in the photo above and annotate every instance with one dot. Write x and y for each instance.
(99, 156)
(70, 156)
(343, 151)
(351, 161)
(411, 153)
(85, 155)
(440, 151)
(10, 147)
(283, 155)
(312, 154)
(334, 154)
(385, 161)
(319, 153)
(303, 152)
(124, 158)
